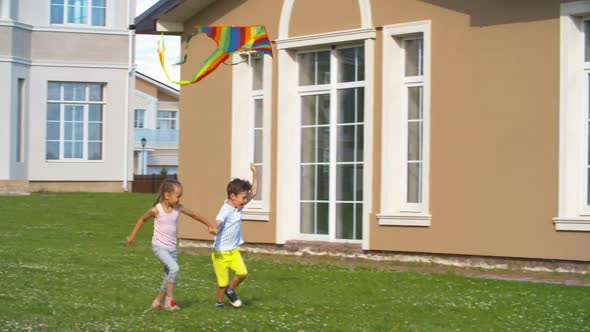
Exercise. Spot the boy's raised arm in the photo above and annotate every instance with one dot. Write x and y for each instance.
(254, 188)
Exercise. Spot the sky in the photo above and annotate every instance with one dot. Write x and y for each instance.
(146, 53)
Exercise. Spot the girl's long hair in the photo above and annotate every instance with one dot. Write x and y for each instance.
(167, 186)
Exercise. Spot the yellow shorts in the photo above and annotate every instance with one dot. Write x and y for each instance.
(225, 260)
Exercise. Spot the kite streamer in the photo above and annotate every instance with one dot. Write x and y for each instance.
(229, 40)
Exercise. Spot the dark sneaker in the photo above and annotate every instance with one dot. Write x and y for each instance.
(219, 305)
(233, 297)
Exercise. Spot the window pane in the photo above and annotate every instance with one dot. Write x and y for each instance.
(95, 92)
(323, 109)
(360, 142)
(72, 149)
(95, 113)
(308, 182)
(139, 118)
(53, 131)
(322, 222)
(258, 114)
(345, 183)
(359, 183)
(413, 50)
(360, 105)
(307, 218)
(323, 179)
(306, 63)
(74, 91)
(98, 16)
(415, 102)
(415, 141)
(344, 221)
(94, 151)
(257, 72)
(95, 131)
(414, 182)
(323, 144)
(77, 11)
(57, 12)
(308, 110)
(308, 145)
(53, 91)
(346, 105)
(346, 65)
(323, 63)
(359, 221)
(52, 151)
(52, 112)
(360, 67)
(258, 146)
(345, 150)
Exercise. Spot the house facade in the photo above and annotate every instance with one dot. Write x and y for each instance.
(66, 71)
(155, 123)
(413, 126)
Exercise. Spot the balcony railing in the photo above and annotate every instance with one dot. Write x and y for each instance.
(156, 136)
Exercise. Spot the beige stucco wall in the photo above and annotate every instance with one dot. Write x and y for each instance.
(309, 17)
(494, 124)
(64, 46)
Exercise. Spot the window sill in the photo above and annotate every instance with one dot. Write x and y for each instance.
(257, 215)
(579, 224)
(404, 219)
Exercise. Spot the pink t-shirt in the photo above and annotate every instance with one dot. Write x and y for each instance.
(165, 228)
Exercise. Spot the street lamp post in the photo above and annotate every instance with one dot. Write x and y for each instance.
(144, 157)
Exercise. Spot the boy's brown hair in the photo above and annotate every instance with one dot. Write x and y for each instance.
(237, 186)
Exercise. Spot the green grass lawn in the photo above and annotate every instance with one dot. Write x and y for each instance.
(65, 267)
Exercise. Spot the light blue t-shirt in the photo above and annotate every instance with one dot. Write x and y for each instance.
(229, 233)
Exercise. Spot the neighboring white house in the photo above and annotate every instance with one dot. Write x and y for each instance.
(66, 74)
(155, 123)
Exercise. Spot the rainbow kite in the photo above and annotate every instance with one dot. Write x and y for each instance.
(229, 40)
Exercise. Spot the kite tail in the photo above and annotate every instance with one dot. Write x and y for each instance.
(210, 64)
(161, 50)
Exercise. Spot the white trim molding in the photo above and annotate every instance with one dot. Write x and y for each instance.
(395, 209)
(337, 37)
(285, 19)
(243, 126)
(573, 209)
(404, 219)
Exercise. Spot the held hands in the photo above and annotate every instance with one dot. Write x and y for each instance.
(212, 230)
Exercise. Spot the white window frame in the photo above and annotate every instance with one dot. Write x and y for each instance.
(136, 118)
(243, 94)
(85, 141)
(158, 118)
(573, 211)
(331, 89)
(395, 210)
(289, 129)
(89, 15)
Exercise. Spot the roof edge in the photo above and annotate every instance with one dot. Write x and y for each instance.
(146, 22)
